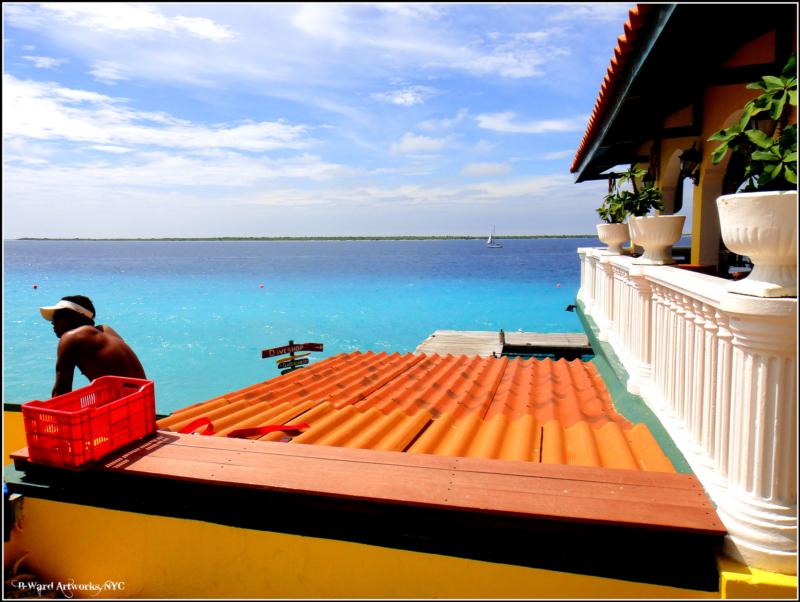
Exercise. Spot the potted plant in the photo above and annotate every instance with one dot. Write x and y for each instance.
(613, 231)
(654, 233)
(760, 220)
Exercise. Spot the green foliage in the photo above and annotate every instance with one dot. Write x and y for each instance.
(763, 136)
(646, 199)
(619, 203)
(612, 211)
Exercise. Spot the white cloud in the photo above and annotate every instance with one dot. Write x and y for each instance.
(407, 38)
(406, 97)
(485, 169)
(563, 154)
(110, 148)
(323, 20)
(506, 122)
(483, 146)
(411, 144)
(517, 55)
(204, 28)
(44, 62)
(443, 124)
(107, 72)
(599, 11)
(50, 112)
(118, 18)
(458, 195)
(416, 10)
(164, 171)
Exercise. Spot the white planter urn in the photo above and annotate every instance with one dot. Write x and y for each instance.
(763, 227)
(656, 234)
(613, 235)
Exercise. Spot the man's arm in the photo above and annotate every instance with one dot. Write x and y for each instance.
(65, 365)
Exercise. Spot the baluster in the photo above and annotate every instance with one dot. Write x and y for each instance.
(624, 319)
(696, 383)
(670, 338)
(708, 415)
(657, 342)
(641, 334)
(608, 297)
(722, 417)
(620, 320)
(581, 296)
(680, 361)
(688, 364)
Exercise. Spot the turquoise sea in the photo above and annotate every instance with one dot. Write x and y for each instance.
(198, 317)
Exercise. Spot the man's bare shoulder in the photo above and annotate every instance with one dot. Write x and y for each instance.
(79, 335)
(105, 328)
(80, 331)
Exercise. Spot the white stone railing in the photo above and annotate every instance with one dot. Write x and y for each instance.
(720, 371)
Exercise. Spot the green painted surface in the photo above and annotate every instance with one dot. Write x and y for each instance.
(629, 405)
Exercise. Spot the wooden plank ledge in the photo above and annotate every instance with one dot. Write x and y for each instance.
(662, 501)
(489, 343)
(461, 342)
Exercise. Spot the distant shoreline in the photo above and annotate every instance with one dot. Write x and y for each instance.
(311, 238)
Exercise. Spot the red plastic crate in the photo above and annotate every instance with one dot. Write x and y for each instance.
(77, 428)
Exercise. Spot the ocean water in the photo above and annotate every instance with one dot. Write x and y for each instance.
(198, 317)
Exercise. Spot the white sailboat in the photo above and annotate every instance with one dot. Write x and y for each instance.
(491, 243)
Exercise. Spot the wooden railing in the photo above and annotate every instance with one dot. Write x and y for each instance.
(719, 370)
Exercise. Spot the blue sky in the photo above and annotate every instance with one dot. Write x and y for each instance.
(148, 120)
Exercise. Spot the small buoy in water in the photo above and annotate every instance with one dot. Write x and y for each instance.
(260, 286)
(35, 286)
(558, 285)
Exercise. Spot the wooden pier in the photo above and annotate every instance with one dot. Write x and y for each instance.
(569, 345)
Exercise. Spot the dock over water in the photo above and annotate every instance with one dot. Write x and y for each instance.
(569, 345)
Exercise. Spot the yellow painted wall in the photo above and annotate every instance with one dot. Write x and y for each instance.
(669, 168)
(13, 434)
(740, 581)
(760, 50)
(158, 557)
(722, 106)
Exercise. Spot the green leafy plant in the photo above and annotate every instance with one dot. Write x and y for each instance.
(612, 211)
(620, 203)
(763, 138)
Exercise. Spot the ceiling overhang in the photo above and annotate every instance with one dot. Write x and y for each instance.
(677, 53)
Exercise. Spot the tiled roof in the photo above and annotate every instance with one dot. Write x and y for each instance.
(546, 411)
(627, 43)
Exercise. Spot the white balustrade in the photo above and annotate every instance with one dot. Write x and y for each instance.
(719, 370)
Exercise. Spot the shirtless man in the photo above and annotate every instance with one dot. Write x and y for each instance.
(95, 350)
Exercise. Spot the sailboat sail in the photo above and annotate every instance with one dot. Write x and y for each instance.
(491, 242)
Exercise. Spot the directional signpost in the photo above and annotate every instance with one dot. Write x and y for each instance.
(292, 362)
(296, 356)
(291, 348)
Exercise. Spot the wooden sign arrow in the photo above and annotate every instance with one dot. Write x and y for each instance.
(292, 363)
(295, 356)
(291, 349)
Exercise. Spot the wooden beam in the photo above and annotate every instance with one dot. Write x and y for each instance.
(675, 502)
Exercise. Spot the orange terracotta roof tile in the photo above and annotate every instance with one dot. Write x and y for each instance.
(545, 411)
(627, 43)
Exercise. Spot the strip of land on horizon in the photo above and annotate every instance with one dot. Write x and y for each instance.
(300, 238)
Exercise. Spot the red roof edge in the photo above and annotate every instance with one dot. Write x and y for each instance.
(618, 67)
